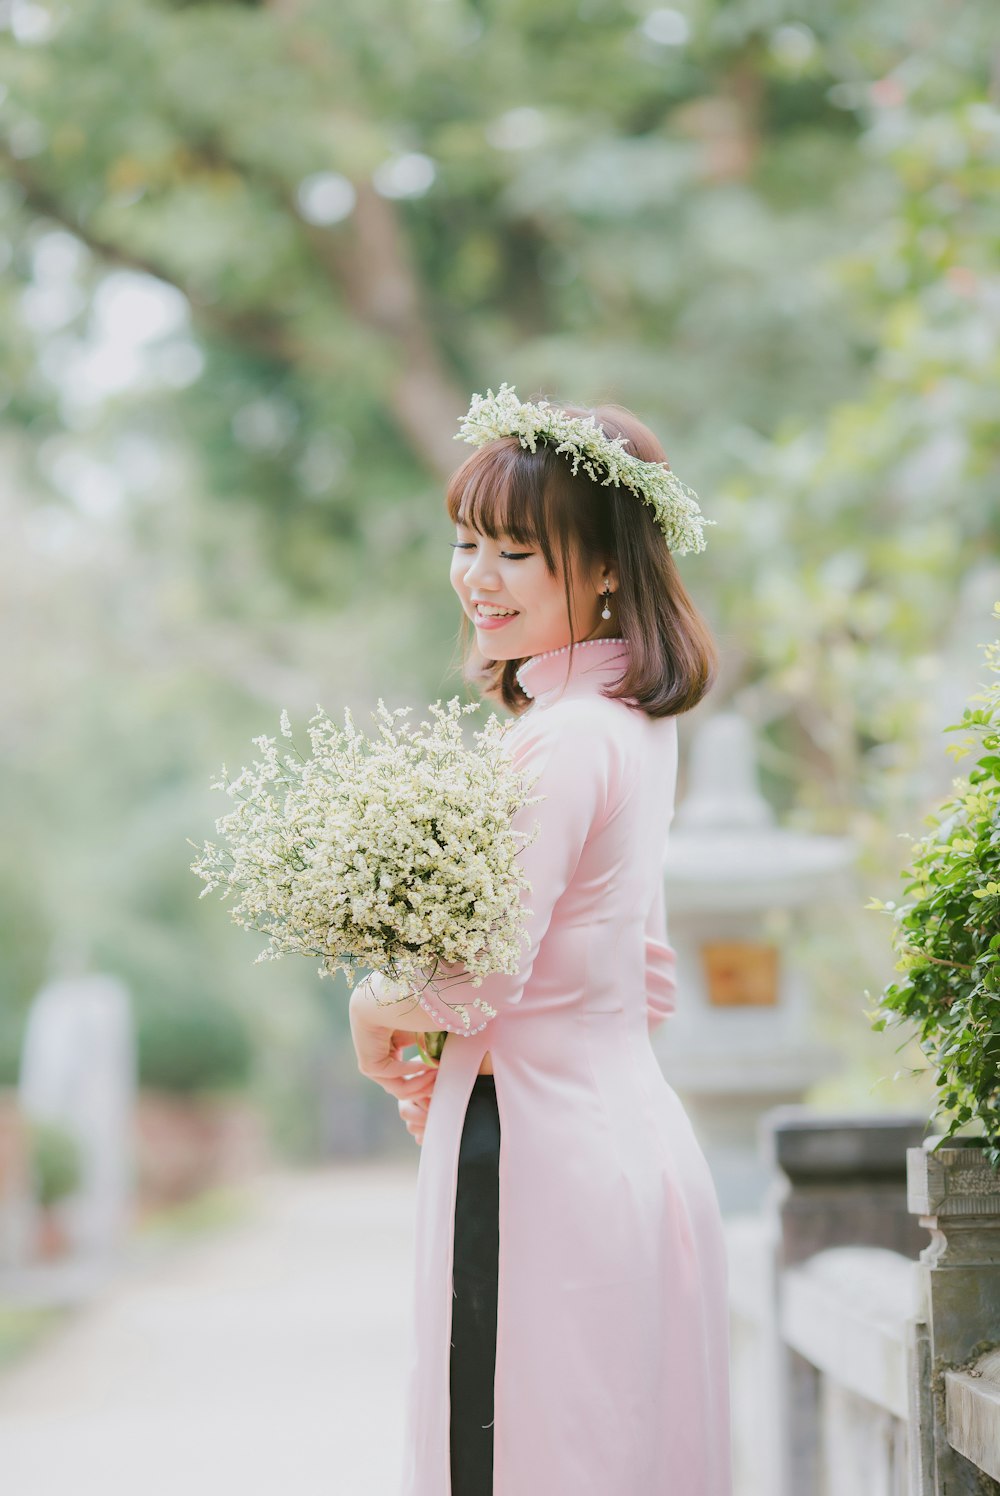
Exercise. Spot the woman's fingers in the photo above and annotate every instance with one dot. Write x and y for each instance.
(414, 1114)
(414, 1108)
(417, 1080)
(403, 1077)
(404, 1038)
(405, 1067)
(406, 1088)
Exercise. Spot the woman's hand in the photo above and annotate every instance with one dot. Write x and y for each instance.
(414, 1114)
(379, 1053)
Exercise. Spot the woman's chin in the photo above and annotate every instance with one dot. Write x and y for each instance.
(499, 643)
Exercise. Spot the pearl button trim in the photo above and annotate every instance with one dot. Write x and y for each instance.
(466, 1032)
(563, 649)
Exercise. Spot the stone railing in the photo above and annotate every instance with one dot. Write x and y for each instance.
(956, 1402)
(866, 1355)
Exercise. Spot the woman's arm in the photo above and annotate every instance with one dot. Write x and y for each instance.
(391, 1015)
(569, 755)
(661, 959)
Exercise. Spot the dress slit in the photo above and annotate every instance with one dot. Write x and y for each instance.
(474, 1294)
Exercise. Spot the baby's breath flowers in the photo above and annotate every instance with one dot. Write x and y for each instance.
(603, 458)
(395, 852)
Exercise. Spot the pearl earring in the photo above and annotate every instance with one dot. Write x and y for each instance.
(605, 611)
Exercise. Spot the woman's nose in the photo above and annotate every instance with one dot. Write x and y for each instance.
(479, 570)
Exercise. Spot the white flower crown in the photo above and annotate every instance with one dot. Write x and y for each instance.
(674, 505)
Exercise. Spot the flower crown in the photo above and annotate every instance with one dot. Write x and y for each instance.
(674, 505)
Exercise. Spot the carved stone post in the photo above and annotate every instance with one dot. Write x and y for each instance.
(956, 1195)
(836, 1181)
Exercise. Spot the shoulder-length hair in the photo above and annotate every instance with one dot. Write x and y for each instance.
(503, 488)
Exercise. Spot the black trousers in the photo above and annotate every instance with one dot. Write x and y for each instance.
(474, 1294)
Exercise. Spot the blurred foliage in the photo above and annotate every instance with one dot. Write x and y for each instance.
(11, 1038)
(772, 231)
(192, 1047)
(25, 1327)
(945, 932)
(55, 1160)
(213, 1209)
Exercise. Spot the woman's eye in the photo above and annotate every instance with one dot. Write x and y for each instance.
(466, 545)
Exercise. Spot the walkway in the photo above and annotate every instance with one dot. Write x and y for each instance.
(269, 1359)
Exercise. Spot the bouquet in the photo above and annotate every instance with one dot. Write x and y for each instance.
(395, 852)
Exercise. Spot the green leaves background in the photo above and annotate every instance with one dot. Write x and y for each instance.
(771, 230)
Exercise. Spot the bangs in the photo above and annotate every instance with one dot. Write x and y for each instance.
(503, 489)
(578, 522)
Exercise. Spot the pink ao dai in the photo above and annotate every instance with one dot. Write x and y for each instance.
(612, 1357)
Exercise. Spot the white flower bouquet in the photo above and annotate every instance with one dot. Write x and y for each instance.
(395, 852)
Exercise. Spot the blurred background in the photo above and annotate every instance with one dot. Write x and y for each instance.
(255, 259)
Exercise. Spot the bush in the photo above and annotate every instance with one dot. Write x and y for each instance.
(11, 1040)
(55, 1160)
(947, 935)
(192, 1047)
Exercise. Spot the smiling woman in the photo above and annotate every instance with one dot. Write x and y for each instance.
(567, 559)
(594, 1189)
(510, 592)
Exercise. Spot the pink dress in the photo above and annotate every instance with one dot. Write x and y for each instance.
(612, 1353)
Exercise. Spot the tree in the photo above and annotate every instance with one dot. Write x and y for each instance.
(772, 232)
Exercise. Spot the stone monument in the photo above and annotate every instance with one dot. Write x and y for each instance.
(78, 1069)
(741, 1039)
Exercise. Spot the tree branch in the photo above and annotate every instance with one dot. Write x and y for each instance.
(256, 330)
(372, 271)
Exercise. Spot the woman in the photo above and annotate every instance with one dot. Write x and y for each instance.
(571, 1313)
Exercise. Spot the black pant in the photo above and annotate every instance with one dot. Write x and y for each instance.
(474, 1294)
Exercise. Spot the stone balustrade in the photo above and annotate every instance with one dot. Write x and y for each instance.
(867, 1353)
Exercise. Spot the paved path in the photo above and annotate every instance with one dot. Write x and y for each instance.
(268, 1360)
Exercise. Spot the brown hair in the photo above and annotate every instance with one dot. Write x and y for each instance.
(534, 497)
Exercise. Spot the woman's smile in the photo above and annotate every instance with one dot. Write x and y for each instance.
(485, 618)
(513, 596)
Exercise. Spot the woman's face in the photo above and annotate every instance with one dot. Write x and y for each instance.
(503, 574)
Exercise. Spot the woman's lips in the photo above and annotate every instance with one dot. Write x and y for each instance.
(485, 621)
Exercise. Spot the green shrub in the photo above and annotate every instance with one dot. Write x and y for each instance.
(11, 1038)
(55, 1160)
(190, 1047)
(947, 934)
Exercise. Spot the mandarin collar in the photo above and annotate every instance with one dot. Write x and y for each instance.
(593, 661)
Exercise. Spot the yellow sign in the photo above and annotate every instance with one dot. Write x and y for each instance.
(741, 974)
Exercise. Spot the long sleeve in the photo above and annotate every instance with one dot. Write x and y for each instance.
(569, 756)
(661, 984)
